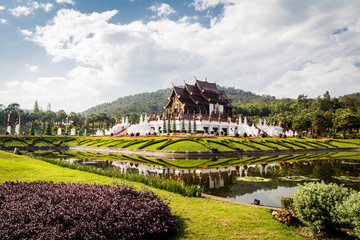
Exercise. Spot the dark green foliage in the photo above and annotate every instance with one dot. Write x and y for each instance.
(48, 129)
(245, 135)
(287, 203)
(237, 134)
(46, 210)
(32, 131)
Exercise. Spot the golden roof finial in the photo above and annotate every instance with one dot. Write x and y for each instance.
(172, 84)
(205, 79)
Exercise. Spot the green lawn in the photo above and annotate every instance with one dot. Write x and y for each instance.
(182, 144)
(201, 218)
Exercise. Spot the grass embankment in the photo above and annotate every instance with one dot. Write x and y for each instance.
(201, 218)
(182, 144)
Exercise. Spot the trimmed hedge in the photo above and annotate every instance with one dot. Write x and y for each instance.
(46, 210)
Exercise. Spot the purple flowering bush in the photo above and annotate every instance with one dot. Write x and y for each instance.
(46, 210)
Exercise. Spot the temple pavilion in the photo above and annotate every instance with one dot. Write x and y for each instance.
(201, 108)
(202, 97)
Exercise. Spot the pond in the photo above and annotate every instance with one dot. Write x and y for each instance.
(266, 178)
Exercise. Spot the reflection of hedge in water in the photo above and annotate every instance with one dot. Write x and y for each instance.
(209, 163)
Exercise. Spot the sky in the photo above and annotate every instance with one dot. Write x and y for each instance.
(76, 54)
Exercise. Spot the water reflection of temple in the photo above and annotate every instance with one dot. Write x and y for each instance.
(208, 178)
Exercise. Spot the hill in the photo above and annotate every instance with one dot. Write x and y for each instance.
(155, 101)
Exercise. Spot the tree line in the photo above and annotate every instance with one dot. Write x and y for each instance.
(322, 116)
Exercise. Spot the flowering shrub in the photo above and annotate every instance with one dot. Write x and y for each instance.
(315, 204)
(349, 213)
(46, 210)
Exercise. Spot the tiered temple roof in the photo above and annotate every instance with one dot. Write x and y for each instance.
(198, 97)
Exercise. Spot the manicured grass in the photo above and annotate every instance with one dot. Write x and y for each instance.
(200, 218)
(186, 146)
(174, 143)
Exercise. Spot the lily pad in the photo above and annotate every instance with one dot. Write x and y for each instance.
(298, 179)
(348, 179)
(253, 179)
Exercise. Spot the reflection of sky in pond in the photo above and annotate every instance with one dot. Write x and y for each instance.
(266, 197)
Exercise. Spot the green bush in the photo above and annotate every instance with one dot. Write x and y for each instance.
(48, 129)
(348, 213)
(315, 204)
(287, 203)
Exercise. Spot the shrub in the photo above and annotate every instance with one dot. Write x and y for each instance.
(32, 131)
(287, 203)
(245, 135)
(46, 210)
(236, 134)
(315, 204)
(48, 129)
(349, 213)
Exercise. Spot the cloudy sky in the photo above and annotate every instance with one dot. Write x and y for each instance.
(79, 53)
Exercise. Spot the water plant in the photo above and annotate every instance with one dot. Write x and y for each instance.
(168, 185)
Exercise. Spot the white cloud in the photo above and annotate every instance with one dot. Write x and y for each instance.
(162, 10)
(2, 8)
(3, 20)
(30, 8)
(271, 47)
(21, 11)
(66, 1)
(32, 68)
(201, 5)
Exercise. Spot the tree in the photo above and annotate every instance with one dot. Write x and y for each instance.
(345, 119)
(48, 129)
(61, 116)
(302, 121)
(36, 107)
(322, 121)
(32, 131)
(54, 129)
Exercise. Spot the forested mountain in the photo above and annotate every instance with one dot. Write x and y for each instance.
(155, 101)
